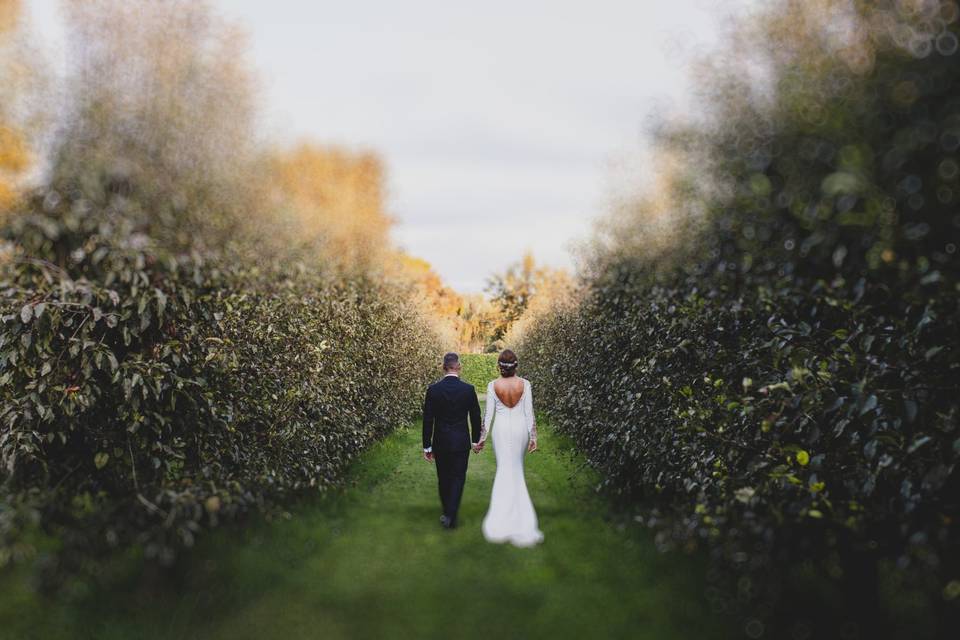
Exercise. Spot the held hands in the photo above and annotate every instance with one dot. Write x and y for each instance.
(478, 447)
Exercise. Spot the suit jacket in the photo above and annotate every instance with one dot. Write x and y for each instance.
(445, 410)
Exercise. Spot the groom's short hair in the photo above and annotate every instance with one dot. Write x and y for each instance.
(450, 361)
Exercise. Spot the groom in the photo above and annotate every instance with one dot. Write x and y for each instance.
(446, 438)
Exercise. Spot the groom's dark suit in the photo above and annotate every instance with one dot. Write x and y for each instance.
(445, 411)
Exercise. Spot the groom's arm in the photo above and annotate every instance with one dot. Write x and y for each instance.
(475, 420)
(428, 419)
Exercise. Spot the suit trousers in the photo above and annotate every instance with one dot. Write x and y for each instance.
(451, 476)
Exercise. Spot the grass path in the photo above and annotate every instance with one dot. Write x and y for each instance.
(371, 561)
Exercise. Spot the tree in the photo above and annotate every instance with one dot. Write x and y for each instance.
(160, 110)
(336, 197)
(513, 290)
(19, 77)
(555, 290)
(476, 320)
(13, 161)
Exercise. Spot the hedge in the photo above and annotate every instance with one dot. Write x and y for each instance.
(146, 395)
(785, 387)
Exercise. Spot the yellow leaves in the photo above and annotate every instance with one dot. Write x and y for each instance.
(8, 196)
(803, 458)
(9, 14)
(441, 305)
(336, 196)
(14, 159)
(14, 154)
(13, 151)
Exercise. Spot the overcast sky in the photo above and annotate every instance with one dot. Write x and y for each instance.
(504, 125)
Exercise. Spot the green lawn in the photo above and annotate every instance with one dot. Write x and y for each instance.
(371, 561)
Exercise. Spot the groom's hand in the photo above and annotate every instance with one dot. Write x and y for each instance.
(428, 456)
(478, 447)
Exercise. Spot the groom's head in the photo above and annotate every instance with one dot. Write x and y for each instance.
(451, 363)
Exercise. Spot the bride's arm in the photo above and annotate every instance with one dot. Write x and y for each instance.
(489, 408)
(531, 416)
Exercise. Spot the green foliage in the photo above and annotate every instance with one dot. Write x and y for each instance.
(479, 369)
(784, 389)
(147, 395)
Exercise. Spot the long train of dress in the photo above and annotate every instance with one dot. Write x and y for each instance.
(511, 516)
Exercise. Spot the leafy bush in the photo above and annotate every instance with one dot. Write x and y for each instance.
(784, 386)
(146, 395)
(479, 369)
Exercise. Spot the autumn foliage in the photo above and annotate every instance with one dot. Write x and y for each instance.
(14, 155)
(336, 196)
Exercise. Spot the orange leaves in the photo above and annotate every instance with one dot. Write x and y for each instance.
(439, 299)
(13, 151)
(336, 196)
(7, 196)
(9, 14)
(13, 160)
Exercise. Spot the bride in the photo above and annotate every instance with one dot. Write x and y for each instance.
(509, 408)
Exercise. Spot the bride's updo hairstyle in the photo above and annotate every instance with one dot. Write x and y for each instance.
(507, 363)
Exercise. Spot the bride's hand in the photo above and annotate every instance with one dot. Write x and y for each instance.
(532, 446)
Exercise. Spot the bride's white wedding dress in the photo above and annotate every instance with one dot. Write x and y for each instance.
(511, 517)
